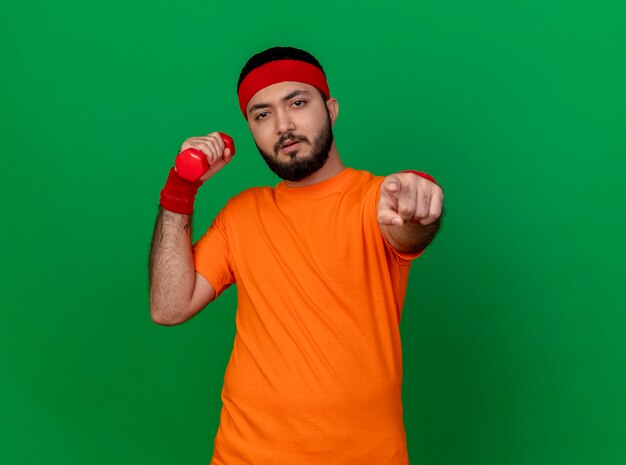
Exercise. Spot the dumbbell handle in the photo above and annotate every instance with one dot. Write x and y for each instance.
(191, 164)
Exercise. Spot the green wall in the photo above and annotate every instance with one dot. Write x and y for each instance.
(514, 325)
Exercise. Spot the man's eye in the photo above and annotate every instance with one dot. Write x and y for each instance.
(261, 115)
(298, 103)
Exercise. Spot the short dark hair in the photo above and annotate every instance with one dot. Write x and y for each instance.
(277, 53)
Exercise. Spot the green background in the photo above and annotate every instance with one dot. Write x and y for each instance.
(513, 329)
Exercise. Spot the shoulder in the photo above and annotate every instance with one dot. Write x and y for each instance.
(248, 198)
(362, 175)
(365, 176)
(252, 193)
(366, 181)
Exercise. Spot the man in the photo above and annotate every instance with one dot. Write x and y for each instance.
(321, 263)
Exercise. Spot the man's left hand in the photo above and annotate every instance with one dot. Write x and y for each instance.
(409, 198)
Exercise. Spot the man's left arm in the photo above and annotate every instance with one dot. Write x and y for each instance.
(409, 211)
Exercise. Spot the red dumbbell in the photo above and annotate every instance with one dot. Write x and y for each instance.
(191, 164)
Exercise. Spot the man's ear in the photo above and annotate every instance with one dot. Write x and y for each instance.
(333, 109)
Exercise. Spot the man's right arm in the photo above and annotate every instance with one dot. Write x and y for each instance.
(177, 291)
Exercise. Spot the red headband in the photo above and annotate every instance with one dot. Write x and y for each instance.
(280, 71)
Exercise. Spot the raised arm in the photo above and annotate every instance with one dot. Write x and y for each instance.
(177, 291)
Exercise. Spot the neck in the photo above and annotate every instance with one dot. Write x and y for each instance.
(332, 167)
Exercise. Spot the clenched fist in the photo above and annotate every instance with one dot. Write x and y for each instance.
(409, 198)
(213, 147)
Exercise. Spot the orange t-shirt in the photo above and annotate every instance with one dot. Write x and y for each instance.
(315, 375)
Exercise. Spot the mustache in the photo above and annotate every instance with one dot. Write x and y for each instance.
(289, 136)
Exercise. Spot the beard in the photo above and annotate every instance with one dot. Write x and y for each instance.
(298, 168)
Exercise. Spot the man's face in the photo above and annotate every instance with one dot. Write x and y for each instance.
(292, 128)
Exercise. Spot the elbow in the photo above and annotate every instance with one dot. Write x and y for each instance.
(163, 317)
(164, 321)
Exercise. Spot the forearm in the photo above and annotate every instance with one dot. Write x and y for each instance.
(171, 268)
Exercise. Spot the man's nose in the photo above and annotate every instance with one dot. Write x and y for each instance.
(284, 123)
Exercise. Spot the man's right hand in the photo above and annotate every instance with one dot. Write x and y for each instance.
(212, 145)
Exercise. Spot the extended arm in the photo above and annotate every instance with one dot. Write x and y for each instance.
(410, 208)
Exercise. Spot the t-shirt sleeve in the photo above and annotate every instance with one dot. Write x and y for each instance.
(211, 254)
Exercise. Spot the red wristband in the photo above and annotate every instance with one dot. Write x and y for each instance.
(422, 174)
(179, 194)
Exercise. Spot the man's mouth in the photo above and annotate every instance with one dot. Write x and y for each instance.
(290, 146)
(290, 143)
